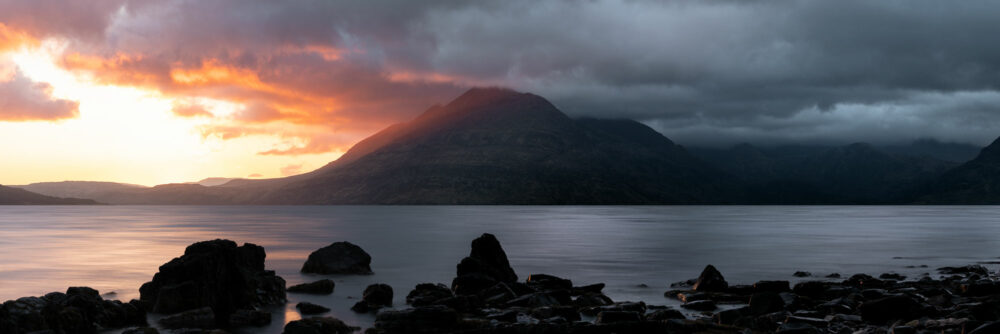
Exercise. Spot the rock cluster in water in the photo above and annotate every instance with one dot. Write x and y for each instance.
(216, 284)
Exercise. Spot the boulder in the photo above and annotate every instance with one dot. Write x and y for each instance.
(486, 265)
(320, 287)
(701, 305)
(772, 286)
(375, 296)
(198, 318)
(549, 282)
(79, 310)
(428, 293)
(339, 258)
(881, 311)
(418, 320)
(247, 317)
(765, 302)
(710, 280)
(308, 308)
(665, 314)
(610, 317)
(324, 325)
(215, 274)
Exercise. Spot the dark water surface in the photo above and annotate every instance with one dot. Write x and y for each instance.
(117, 248)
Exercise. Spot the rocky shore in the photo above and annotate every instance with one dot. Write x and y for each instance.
(219, 287)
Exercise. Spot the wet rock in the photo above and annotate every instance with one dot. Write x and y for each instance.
(548, 282)
(485, 266)
(965, 270)
(592, 288)
(890, 308)
(981, 288)
(198, 318)
(320, 287)
(765, 302)
(798, 328)
(79, 310)
(812, 289)
(610, 317)
(802, 274)
(541, 299)
(141, 330)
(592, 299)
(771, 286)
(339, 258)
(418, 320)
(701, 305)
(665, 314)
(308, 308)
(903, 330)
(324, 325)
(990, 327)
(710, 280)
(375, 296)
(215, 274)
(864, 281)
(569, 313)
(428, 293)
(892, 276)
(248, 317)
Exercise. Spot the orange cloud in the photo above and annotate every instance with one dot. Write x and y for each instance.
(24, 100)
(11, 38)
(190, 110)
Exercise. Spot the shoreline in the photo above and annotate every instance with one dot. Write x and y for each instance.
(486, 297)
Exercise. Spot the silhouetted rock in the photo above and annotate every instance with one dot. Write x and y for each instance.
(428, 293)
(419, 320)
(308, 308)
(710, 280)
(79, 310)
(890, 308)
(324, 325)
(339, 258)
(197, 318)
(766, 302)
(215, 274)
(376, 296)
(549, 282)
(610, 317)
(486, 265)
(320, 287)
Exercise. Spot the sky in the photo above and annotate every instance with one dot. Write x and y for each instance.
(152, 92)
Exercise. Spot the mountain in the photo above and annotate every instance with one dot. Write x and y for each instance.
(78, 189)
(854, 174)
(214, 181)
(933, 148)
(498, 146)
(17, 196)
(974, 182)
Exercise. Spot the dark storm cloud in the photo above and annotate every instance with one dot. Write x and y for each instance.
(702, 72)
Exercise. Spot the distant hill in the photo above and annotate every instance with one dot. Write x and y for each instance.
(214, 181)
(974, 182)
(933, 148)
(78, 189)
(854, 174)
(17, 196)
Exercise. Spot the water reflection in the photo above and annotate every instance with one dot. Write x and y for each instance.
(116, 249)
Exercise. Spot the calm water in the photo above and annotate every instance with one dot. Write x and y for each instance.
(117, 248)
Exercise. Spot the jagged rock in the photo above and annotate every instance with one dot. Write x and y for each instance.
(548, 282)
(320, 287)
(428, 293)
(339, 258)
(324, 325)
(215, 274)
(710, 280)
(486, 265)
(665, 314)
(701, 305)
(890, 308)
(246, 317)
(766, 302)
(610, 317)
(308, 308)
(198, 318)
(79, 310)
(375, 296)
(418, 320)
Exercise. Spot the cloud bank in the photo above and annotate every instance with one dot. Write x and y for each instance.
(701, 72)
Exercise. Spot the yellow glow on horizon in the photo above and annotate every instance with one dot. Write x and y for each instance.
(130, 135)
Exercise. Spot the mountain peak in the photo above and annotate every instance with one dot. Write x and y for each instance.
(482, 96)
(991, 152)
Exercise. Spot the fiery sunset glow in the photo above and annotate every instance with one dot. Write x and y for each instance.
(150, 92)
